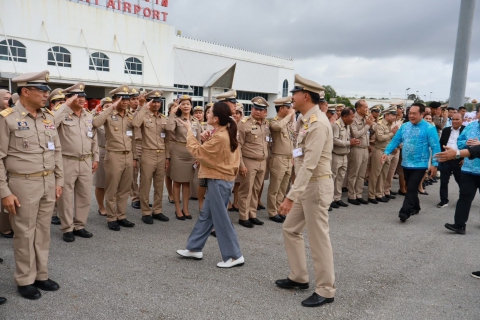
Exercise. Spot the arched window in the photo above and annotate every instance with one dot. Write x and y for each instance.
(18, 52)
(133, 66)
(285, 88)
(62, 56)
(99, 61)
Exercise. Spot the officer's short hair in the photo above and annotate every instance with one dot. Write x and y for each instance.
(347, 112)
(421, 106)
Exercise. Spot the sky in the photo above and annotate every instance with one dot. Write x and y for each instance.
(375, 48)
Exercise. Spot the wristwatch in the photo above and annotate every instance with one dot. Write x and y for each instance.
(457, 156)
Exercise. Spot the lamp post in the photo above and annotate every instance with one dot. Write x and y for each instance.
(431, 96)
(406, 95)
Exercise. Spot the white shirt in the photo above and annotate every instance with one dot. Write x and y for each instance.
(452, 141)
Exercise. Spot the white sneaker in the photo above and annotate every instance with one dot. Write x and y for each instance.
(230, 263)
(190, 254)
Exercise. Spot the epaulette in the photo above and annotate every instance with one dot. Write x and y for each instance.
(203, 123)
(276, 118)
(313, 118)
(6, 112)
(244, 120)
(267, 121)
(337, 122)
(162, 115)
(58, 106)
(48, 110)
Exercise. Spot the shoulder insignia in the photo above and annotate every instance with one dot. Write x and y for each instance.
(313, 118)
(337, 122)
(203, 123)
(244, 120)
(276, 118)
(267, 121)
(48, 110)
(58, 106)
(6, 112)
(163, 116)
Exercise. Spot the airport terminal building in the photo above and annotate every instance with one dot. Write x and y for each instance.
(106, 43)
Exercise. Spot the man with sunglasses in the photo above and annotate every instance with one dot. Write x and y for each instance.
(31, 180)
(80, 160)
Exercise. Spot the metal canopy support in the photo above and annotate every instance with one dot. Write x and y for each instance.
(153, 66)
(90, 55)
(462, 53)
(183, 71)
(9, 50)
(51, 48)
(123, 58)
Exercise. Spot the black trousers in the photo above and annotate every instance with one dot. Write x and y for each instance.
(446, 170)
(413, 177)
(469, 184)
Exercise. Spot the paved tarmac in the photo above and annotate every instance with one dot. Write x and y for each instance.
(384, 269)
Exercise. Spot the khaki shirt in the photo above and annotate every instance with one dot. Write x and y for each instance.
(316, 142)
(153, 130)
(282, 135)
(178, 131)
(28, 145)
(383, 134)
(360, 130)
(341, 138)
(118, 130)
(439, 122)
(254, 139)
(77, 135)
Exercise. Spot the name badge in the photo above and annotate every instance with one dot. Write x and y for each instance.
(268, 139)
(297, 152)
(114, 118)
(162, 135)
(90, 134)
(129, 133)
(22, 125)
(51, 145)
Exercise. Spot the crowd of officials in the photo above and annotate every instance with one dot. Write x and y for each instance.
(53, 150)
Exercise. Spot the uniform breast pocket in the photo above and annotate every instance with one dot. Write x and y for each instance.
(70, 128)
(26, 140)
(251, 137)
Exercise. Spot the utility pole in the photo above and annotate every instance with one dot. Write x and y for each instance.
(462, 54)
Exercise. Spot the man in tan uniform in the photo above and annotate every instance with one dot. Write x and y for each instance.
(230, 98)
(80, 160)
(384, 132)
(254, 139)
(341, 148)
(394, 157)
(31, 179)
(375, 112)
(281, 158)
(331, 113)
(358, 156)
(119, 157)
(309, 198)
(156, 155)
(137, 133)
(339, 109)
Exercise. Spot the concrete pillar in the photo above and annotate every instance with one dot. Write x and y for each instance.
(462, 53)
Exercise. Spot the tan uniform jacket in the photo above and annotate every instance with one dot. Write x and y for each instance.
(439, 122)
(341, 138)
(153, 130)
(28, 145)
(383, 134)
(178, 131)
(101, 137)
(77, 135)
(316, 141)
(360, 129)
(282, 137)
(118, 130)
(254, 139)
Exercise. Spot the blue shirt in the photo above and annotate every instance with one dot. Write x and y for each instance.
(472, 131)
(418, 140)
(449, 123)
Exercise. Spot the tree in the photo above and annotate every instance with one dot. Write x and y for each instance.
(412, 97)
(329, 93)
(344, 101)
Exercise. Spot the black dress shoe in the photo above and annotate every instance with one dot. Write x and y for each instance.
(29, 292)
(182, 217)
(150, 205)
(365, 183)
(1, 260)
(277, 218)
(189, 217)
(330, 209)
(233, 209)
(100, 213)
(354, 202)
(193, 198)
(423, 193)
(341, 203)
(125, 223)
(161, 217)
(344, 189)
(256, 221)
(147, 219)
(82, 233)
(171, 201)
(382, 199)
(246, 223)
(401, 193)
(316, 300)
(414, 212)
(56, 220)
(390, 196)
(372, 201)
(136, 204)
(68, 237)
(362, 201)
(403, 216)
(334, 205)
(289, 284)
(2, 300)
(47, 285)
(455, 228)
(283, 217)
(113, 225)
(260, 207)
(7, 235)
(213, 234)
(393, 193)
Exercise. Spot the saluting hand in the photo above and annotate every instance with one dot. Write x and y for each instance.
(286, 206)
(115, 104)
(69, 101)
(10, 202)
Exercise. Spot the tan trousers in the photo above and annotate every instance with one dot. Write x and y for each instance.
(118, 180)
(339, 168)
(153, 168)
(250, 187)
(357, 166)
(280, 174)
(74, 204)
(345, 180)
(387, 185)
(378, 173)
(31, 225)
(5, 225)
(134, 192)
(311, 210)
